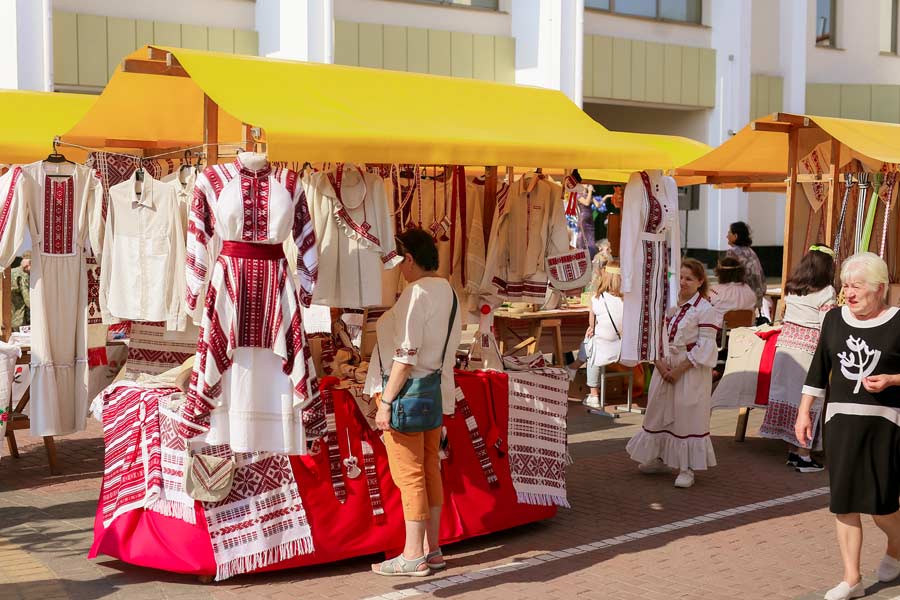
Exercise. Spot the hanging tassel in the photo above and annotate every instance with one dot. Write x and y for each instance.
(372, 483)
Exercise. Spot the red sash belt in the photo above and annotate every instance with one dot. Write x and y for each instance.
(251, 250)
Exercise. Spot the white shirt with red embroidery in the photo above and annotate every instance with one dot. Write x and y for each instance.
(354, 234)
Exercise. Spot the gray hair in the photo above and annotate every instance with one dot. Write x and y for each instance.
(868, 268)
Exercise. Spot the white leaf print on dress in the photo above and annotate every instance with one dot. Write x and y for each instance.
(861, 358)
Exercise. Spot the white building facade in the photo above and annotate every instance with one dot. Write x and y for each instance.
(697, 68)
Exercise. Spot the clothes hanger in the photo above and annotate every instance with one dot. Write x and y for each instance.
(57, 157)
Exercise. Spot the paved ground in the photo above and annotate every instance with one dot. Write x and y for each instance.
(750, 528)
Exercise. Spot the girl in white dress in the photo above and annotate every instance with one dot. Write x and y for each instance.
(675, 433)
(603, 338)
(731, 293)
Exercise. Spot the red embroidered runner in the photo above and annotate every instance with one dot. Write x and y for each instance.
(764, 379)
(334, 449)
(372, 483)
(477, 440)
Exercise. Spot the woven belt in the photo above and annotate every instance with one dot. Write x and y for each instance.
(251, 250)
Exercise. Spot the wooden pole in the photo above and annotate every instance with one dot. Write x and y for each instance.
(787, 261)
(211, 130)
(834, 199)
(490, 201)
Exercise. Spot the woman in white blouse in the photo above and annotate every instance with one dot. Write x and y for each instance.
(731, 293)
(675, 433)
(411, 337)
(603, 338)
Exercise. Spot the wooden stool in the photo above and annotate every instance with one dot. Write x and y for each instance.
(18, 420)
(537, 329)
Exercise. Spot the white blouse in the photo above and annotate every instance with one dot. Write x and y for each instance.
(607, 341)
(413, 331)
(726, 297)
(808, 310)
(143, 254)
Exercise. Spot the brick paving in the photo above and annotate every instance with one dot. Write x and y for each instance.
(783, 551)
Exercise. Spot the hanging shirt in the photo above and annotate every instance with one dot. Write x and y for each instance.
(354, 235)
(142, 252)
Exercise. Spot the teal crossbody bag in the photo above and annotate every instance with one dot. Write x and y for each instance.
(418, 406)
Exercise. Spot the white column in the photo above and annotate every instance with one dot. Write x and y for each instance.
(795, 39)
(25, 41)
(296, 29)
(572, 49)
(731, 40)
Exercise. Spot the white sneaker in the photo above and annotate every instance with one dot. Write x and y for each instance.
(685, 479)
(653, 466)
(844, 591)
(592, 401)
(889, 569)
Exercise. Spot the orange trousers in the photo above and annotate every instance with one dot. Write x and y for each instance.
(416, 470)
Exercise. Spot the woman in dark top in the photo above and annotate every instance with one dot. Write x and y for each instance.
(739, 242)
(859, 355)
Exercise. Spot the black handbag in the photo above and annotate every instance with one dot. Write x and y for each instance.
(419, 405)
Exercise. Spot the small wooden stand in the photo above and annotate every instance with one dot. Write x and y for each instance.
(19, 420)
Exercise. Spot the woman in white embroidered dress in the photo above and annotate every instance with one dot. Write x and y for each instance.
(411, 337)
(809, 295)
(675, 434)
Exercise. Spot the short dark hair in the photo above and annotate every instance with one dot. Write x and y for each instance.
(742, 232)
(815, 272)
(418, 243)
(730, 270)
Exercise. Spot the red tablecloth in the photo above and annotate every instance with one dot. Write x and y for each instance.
(471, 507)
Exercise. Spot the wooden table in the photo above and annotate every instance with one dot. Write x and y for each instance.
(19, 420)
(536, 322)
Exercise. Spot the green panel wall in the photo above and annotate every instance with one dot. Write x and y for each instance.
(857, 101)
(621, 69)
(483, 57)
(121, 40)
(639, 71)
(766, 95)
(371, 45)
(87, 49)
(92, 56)
(395, 48)
(823, 99)
(886, 103)
(438, 52)
(461, 55)
(417, 50)
(65, 48)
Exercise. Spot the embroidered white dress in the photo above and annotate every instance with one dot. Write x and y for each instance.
(254, 381)
(529, 225)
(142, 258)
(676, 426)
(354, 235)
(650, 256)
(56, 203)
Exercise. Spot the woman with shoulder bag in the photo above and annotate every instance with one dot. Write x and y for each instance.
(602, 340)
(412, 368)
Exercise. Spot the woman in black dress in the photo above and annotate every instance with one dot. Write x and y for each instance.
(859, 349)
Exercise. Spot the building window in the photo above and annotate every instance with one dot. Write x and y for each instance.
(888, 26)
(685, 11)
(826, 28)
(489, 4)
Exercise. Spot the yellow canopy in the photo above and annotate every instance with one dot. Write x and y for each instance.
(677, 150)
(322, 112)
(753, 152)
(32, 119)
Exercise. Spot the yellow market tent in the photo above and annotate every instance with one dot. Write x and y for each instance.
(773, 150)
(33, 119)
(322, 112)
(676, 149)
